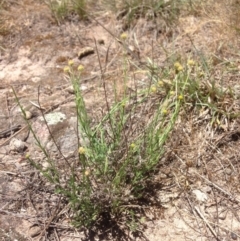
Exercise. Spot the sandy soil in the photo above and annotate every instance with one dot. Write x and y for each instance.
(200, 200)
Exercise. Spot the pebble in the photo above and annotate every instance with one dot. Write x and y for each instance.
(200, 196)
(28, 115)
(228, 171)
(233, 236)
(17, 145)
(46, 165)
(34, 231)
(70, 90)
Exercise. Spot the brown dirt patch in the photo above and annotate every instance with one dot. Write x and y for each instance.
(200, 173)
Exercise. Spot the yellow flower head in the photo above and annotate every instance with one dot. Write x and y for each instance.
(180, 97)
(172, 92)
(123, 104)
(80, 68)
(191, 62)
(81, 150)
(132, 145)
(27, 156)
(87, 172)
(178, 67)
(160, 83)
(70, 62)
(201, 74)
(164, 111)
(123, 36)
(153, 89)
(66, 69)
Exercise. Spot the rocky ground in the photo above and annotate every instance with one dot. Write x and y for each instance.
(200, 180)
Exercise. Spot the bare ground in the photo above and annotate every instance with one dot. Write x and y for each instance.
(200, 175)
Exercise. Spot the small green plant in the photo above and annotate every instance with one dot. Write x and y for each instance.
(79, 7)
(115, 164)
(4, 26)
(61, 9)
(166, 12)
(117, 157)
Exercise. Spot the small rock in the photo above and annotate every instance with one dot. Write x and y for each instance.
(46, 165)
(54, 117)
(162, 176)
(200, 196)
(233, 236)
(17, 145)
(228, 171)
(34, 231)
(70, 90)
(28, 115)
(36, 79)
(83, 87)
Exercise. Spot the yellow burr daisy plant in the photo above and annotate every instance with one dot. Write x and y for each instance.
(80, 68)
(123, 36)
(164, 111)
(178, 67)
(180, 97)
(66, 69)
(81, 150)
(70, 62)
(153, 89)
(191, 62)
